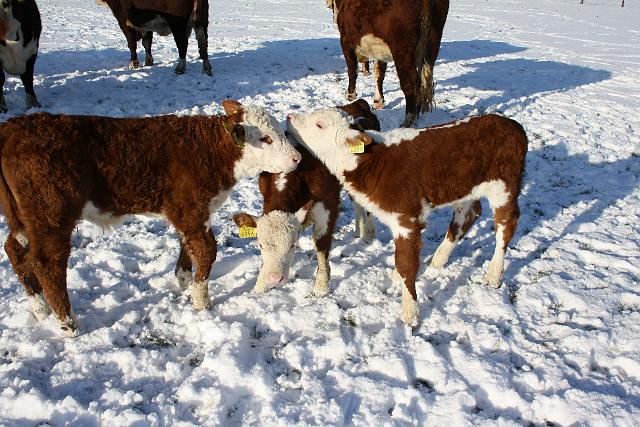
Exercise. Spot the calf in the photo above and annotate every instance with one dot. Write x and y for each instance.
(139, 19)
(57, 170)
(20, 29)
(288, 197)
(407, 173)
(403, 31)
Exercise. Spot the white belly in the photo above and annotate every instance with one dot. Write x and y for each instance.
(157, 25)
(14, 55)
(373, 47)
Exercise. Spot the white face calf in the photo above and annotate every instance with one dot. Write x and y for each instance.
(266, 148)
(277, 234)
(328, 135)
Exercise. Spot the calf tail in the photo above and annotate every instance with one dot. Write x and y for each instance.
(8, 202)
(432, 20)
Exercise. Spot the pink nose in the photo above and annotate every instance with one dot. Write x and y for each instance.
(275, 278)
(296, 158)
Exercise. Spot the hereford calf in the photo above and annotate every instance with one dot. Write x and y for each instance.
(139, 19)
(406, 32)
(20, 29)
(407, 173)
(57, 170)
(311, 195)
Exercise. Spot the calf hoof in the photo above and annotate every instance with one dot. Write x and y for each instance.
(32, 102)
(148, 61)
(410, 120)
(181, 67)
(260, 288)
(134, 64)
(206, 68)
(69, 326)
(378, 104)
(493, 277)
(320, 290)
(409, 311)
(39, 306)
(184, 278)
(351, 96)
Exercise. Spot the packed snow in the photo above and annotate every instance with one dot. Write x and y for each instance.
(558, 343)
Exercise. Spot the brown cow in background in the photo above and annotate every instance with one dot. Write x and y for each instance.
(407, 32)
(139, 19)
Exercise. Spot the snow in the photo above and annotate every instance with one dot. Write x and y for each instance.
(558, 343)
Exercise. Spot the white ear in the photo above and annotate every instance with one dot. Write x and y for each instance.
(301, 214)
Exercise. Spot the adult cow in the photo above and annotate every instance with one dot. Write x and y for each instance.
(406, 32)
(139, 19)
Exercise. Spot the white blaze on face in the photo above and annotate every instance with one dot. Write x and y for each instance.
(325, 134)
(266, 147)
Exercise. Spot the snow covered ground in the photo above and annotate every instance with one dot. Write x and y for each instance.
(558, 343)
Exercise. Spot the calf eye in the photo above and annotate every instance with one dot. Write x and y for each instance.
(266, 139)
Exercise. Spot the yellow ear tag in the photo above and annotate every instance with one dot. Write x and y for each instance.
(248, 232)
(357, 149)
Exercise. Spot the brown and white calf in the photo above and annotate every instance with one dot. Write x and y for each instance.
(311, 195)
(20, 29)
(406, 32)
(57, 170)
(409, 172)
(139, 19)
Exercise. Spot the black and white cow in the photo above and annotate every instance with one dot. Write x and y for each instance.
(20, 29)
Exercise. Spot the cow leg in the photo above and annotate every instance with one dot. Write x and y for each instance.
(408, 76)
(27, 82)
(178, 27)
(133, 36)
(324, 222)
(49, 255)
(184, 268)
(505, 220)
(364, 62)
(364, 224)
(3, 103)
(379, 71)
(17, 249)
(147, 39)
(352, 70)
(407, 259)
(203, 49)
(464, 215)
(201, 245)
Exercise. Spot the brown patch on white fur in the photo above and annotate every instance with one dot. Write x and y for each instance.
(446, 165)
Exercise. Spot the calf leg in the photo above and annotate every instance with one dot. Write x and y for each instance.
(407, 264)
(352, 70)
(3, 103)
(132, 36)
(147, 39)
(201, 245)
(17, 252)
(324, 222)
(464, 215)
(49, 255)
(181, 36)
(364, 224)
(365, 67)
(27, 81)
(379, 70)
(184, 268)
(408, 75)
(203, 50)
(505, 219)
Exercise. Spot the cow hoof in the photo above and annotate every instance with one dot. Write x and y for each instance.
(351, 96)
(134, 64)
(70, 326)
(32, 102)
(493, 277)
(378, 104)
(409, 121)
(181, 67)
(148, 61)
(206, 68)
(320, 291)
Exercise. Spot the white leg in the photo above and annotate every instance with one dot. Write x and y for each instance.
(441, 255)
(409, 308)
(39, 306)
(200, 295)
(184, 277)
(321, 287)
(496, 265)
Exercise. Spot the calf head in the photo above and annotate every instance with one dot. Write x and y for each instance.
(277, 234)
(329, 136)
(266, 148)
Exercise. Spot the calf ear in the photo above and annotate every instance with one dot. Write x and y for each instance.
(302, 213)
(233, 108)
(244, 220)
(358, 140)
